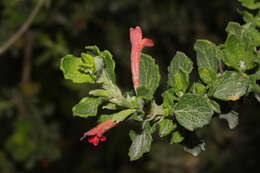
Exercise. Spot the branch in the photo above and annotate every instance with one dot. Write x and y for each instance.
(26, 71)
(24, 27)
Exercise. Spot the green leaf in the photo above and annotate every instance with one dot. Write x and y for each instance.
(20, 144)
(149, 76)
(247, 33)
(215, 106)
(239, 48)
(137, 117)
(86, 107)
(257, 96)
(176, 137)
(195, 151)
(206, 55)
(181, 82)
(110, 106)
(144, 92)
(109, 65)
(234, 28)
(92, 50)
(103, 118)
(100, 93)
(237, 54)
(166, 127)
(71, 66)
(250, 4)
(168, 100)
(198, 88)
(231, 86)
(179, 62)
(193, 111)
(232, 119)
(207, 75)
(122, 115)
(140, 143)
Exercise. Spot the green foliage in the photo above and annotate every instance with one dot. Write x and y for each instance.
(166, 127)
(176, 137)
(141, 143)
(227, 72)
(251, 4)
(77, 70)
(193, 111)
(149, 77)
(86, 107)
(231, 86)
(179, 70)
(231, 118)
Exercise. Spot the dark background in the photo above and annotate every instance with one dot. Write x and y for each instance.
(37, 130)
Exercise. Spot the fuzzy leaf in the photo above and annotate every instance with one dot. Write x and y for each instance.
(195, 151)
(179, 62)
(239, 47)
(166, 127)
(140, 143)
(257, 96)
(176, 137)
(103, 118)
(232, 119)
(168, 99)
(92, 50)
(71, 65)
(193, 111)
(86, 107)
(110, 106)
(181, 82)
(215, 106)
(231, 86)
(206, 54)
(144, 92)
(100, 93)
(109, 65)
(120, 116)
(198, 88)
(207, 75)
(250, 4)
(149, 76)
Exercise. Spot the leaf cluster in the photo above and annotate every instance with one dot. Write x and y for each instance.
(227, 72)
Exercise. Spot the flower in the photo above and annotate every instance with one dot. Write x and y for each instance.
(138, 43)
(97, 132)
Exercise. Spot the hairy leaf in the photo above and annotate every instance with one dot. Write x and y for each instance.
(71, 67)
(149, 76)
(140, 143)
(179, 62)
(231, 86)
(86, 107)
(206, 55)
(166, 127)
(176, 137)
(195, 151)
(193, 111)
(120, 116)
(109, 65)
(231, 117)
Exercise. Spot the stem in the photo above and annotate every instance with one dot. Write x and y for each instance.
(23, 28)
(26, 71)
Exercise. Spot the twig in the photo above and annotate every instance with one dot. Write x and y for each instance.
(26, 71)
(23, 28)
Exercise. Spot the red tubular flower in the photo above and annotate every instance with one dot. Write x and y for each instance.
(138, 43)
(98, 131)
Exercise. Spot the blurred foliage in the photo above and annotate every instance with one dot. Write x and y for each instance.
(45, 115)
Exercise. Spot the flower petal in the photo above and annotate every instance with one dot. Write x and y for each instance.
(147, 42)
